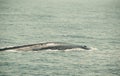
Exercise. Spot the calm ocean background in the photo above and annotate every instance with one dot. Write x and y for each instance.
(95, 23)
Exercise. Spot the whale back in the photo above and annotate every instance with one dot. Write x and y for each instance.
(45, 46)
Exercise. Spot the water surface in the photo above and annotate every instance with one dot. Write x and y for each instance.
(93, 23)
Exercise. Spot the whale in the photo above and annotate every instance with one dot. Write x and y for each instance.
(45, 46)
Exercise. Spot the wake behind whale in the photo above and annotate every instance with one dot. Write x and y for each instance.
(45, 46)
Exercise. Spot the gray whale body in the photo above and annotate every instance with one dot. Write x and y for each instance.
(45, 46)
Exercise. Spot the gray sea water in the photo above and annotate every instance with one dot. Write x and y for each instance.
(95, 23)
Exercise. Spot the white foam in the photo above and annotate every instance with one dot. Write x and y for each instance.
(74, 49)
(51, 50)
(92, 48)
(11, 50)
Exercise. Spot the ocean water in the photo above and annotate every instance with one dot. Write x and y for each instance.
(94, 23)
